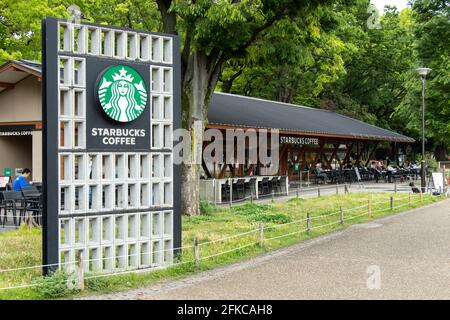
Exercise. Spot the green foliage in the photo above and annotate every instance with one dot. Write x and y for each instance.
(207, 208)
(261, 213)
(59, 284)
(430, 162)
(20, 24)
(431, 31)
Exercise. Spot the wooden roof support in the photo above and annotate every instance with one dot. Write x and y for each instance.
(222, 171)
(6, 85)
(360, 153)
(371, 153)
(205, 168)
(333, 155)
(347, 155)
(317, 158)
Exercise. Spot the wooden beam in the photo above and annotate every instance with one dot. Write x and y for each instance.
(318, 154)
(371, 153)
(347, 155)
(222, 171)
(205, 168)
(361, 151)
(6, 85)
(335, 150)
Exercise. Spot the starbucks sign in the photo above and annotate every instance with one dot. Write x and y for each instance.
(120, 114)
(122, 93)
(111, 103)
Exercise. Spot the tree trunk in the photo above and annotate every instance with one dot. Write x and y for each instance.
(440, 152)
(199, 80)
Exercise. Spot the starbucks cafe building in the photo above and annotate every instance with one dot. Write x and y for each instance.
(307, 135)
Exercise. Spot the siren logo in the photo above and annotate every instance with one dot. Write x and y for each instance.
(122, 93)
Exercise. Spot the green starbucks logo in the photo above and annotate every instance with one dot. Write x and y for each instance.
(122, 93)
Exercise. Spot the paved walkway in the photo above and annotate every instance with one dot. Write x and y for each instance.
(404, 256)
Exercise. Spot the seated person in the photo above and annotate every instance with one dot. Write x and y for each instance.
(22, 181)
(414, 189)
(320, 174)
(376, 171)
(390, 172)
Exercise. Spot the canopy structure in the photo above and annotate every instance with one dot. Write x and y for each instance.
(246, 112)
(307, 135)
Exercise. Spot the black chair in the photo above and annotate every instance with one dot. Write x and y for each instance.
(320, 176)
(276, 186)
(33, 202)
(239, 189)
(250, 187)
(2, 208)
(263, 186)
(226, 191)
(282, 184)
(14, 201)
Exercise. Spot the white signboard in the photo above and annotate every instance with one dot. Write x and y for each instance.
(436, 182)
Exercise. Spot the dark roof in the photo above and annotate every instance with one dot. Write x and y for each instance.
(240, 111)
(14, 71)
(36, 66)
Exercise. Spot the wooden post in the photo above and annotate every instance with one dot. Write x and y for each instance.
(261, 234)
(308, 222)
(30, 220)
(80, 271)
(196, 253)
(318, 191)
(341, 215)
(369, 207)
(231, 191)
(392, 202)
(308, 178)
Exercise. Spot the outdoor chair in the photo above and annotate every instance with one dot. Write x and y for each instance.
(32, 202)
(2, 208)
(14, 201)
(250, 187)
(263, 186)
(226, 191)
(282, 183)
(320, 176)
(239, 189)
(276, 186)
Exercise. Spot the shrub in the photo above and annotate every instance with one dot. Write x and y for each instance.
(59, 284)
(207, 208)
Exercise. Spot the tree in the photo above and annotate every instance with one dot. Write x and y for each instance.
(212, 33)
(20, 27)
(431, 31)
(291, 63)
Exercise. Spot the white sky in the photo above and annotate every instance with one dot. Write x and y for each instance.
(400, 4)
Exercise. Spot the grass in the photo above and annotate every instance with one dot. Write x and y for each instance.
(23, 247)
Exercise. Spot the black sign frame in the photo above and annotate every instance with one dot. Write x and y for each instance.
(50, 71)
